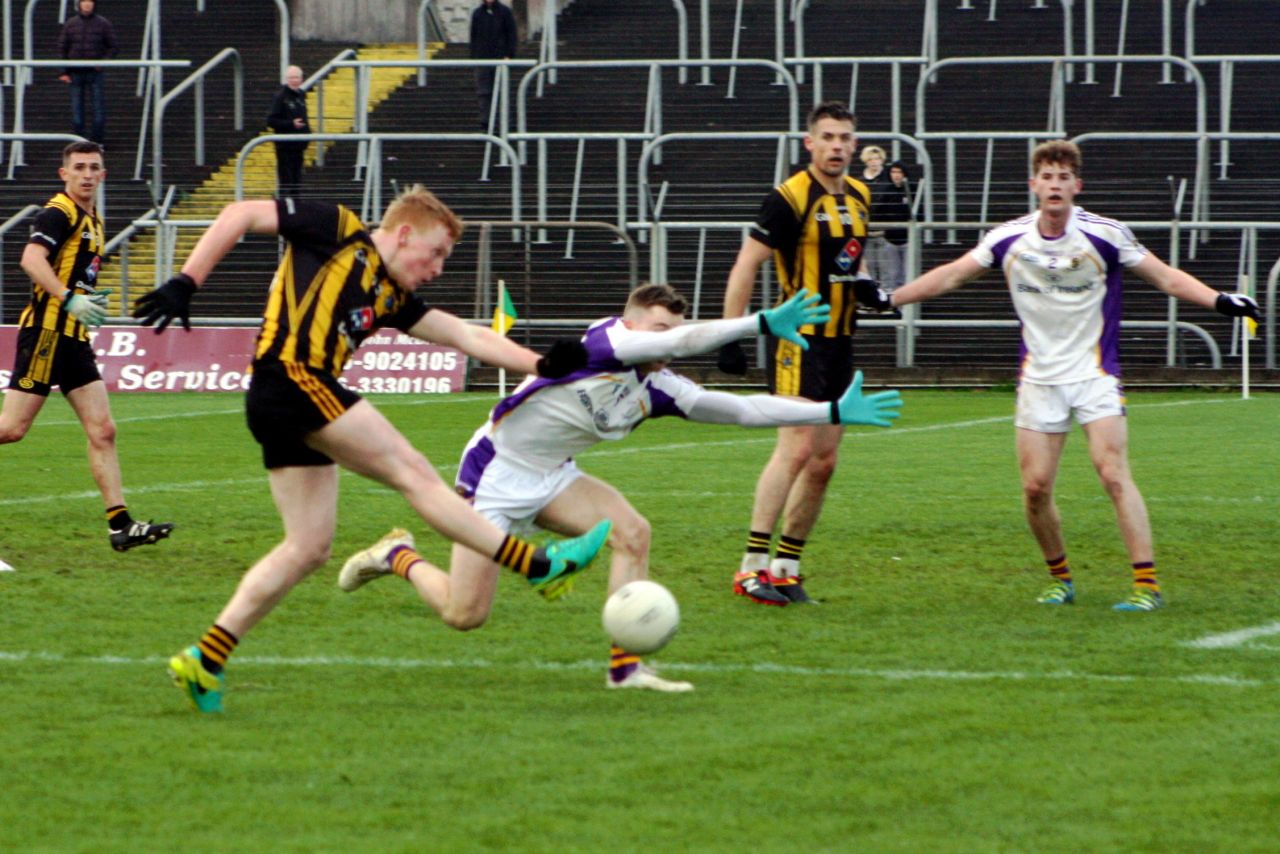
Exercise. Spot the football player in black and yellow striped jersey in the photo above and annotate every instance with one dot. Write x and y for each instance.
(337, 283)
(813, 226)
(63, 258)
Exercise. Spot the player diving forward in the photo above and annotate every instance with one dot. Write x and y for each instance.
(518, 468)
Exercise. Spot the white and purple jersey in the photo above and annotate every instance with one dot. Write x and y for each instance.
(1067, 291)
(545, 422)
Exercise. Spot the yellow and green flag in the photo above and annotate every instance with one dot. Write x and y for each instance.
(504, 313)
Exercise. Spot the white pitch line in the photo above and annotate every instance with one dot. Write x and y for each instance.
(769, 438)
(1227, 640)
(761, 668)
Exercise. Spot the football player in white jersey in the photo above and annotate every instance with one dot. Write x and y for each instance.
(518, 468)
(1064, 268)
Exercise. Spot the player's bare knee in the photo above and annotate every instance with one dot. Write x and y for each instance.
(821, 468)
(10, 433)
(102, 434)
(1037, 491)
(631, 535)
(309, 555)
(465, 618)
(1115, 479)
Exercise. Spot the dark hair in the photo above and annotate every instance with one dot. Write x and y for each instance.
(81, 147)
(832, 110)
(1057, 151)
(649, 295)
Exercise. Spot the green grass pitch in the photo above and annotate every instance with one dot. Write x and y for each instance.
(927, 705)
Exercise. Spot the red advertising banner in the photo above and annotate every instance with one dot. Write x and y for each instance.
(134, 358)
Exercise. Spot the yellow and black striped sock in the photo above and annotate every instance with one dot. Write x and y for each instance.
(401, 559)
(118, 518)
(216, 647)
(789, 548)
(1144, 575)
(621, 663)
(523, 557)
(1059, 569)
(758, 542)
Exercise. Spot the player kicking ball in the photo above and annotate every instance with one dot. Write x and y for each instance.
(518, 469)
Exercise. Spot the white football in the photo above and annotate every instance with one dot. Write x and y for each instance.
(641, 616)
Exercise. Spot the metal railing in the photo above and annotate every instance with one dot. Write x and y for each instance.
(17, 139)
(372, 170)
(649, 155)
(653, 98)
(362, 68)
(5, 227)
(425, 14)
(25, 67)
(819, 63)
(196, 80)
(543, 139)
(317, 80)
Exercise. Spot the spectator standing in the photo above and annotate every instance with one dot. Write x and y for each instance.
(891, 202)
(877, 181)
(87, 35)
(289, 115)
(493, 36)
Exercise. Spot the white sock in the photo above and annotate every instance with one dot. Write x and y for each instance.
(783, 567)
(754, 562)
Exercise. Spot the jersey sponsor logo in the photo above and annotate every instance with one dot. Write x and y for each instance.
(358, 320)
(849, 254)
(1054, 287)
(845, 219)
(91, 271)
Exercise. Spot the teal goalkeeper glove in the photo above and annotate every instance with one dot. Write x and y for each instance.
(853, 407)
(785, 320)
(89, 308)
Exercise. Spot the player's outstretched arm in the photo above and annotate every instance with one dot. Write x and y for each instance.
(937, 281)
(766, 410)
(1183, 285)
(172, 300)
(783, 321)
(441, 327)
(564, 357)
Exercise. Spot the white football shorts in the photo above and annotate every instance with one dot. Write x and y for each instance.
(1048, 408)
(511, 495)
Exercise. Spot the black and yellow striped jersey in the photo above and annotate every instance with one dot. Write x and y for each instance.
(331, 290)
(74, 239)
(817, 240)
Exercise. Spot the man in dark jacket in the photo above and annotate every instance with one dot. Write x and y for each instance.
(289, 115)
(87, 35)
(493, 36)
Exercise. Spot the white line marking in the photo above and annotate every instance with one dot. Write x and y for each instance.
(1227, 640)
(764, 668)
(768, 438)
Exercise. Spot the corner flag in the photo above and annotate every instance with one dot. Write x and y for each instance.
(504, 313)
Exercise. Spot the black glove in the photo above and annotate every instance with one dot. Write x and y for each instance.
(870, 294)
(167, 303)
(733, 359)
(565, 356)
(1238, 305)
